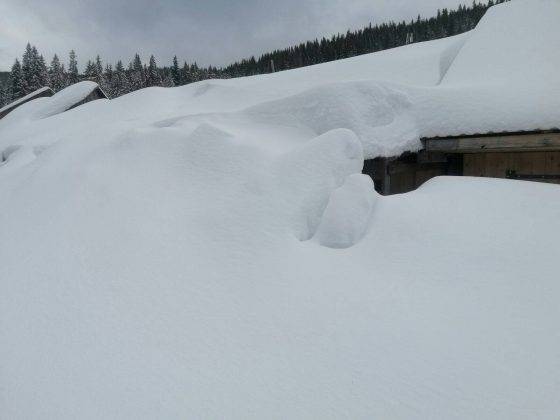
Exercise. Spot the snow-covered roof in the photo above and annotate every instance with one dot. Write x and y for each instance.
(68, 98)
(44, 91)
(42, 108)
(505, 77)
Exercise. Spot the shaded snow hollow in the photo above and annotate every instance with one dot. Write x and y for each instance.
(212, 251)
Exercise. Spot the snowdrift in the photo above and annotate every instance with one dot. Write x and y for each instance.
(213, 251)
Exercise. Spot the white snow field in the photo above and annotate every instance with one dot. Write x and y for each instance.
(212, 251)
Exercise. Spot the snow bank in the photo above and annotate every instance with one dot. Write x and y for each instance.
(348, 214)
(213, 251)
(378, 114)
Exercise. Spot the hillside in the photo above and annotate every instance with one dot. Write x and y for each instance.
(213, 250)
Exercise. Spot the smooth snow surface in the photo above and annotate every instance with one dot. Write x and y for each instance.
(212, 251)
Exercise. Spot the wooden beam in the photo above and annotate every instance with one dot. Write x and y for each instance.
(431, 157)
(498, 143)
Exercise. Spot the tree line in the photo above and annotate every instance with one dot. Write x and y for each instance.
(32, 72)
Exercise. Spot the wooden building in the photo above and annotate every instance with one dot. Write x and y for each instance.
(533, 156)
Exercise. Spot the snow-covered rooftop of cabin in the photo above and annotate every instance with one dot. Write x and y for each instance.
(25, 98)
(44, 107)
(67, 98)
(505, 77)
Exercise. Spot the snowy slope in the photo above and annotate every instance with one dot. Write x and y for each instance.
(212, 251)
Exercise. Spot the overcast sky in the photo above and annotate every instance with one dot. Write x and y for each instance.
(213, 32)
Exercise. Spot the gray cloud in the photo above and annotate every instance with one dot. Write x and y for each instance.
(210, 32)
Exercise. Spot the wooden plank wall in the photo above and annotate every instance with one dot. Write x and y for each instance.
(496, 164)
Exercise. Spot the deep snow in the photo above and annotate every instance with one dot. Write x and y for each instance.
(212, 251)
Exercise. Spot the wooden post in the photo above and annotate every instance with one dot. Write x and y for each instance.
(386, 177)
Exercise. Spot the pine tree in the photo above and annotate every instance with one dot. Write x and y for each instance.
(90, 72)
(42, 72)
(99, 76)
(27, 70)
(175, 72)
(34, 70)
(73, 75)
(186, 74)
(120, 84)
(153, 77)
(137, 63)
(5, 94)
(16, 81)
(56, 74)
(168, 81)
(98, 65)
(107, 80)
(136, 74)
(36, 76)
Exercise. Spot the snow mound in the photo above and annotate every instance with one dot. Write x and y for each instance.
(380, 115)
(348, 214)
(311, 172)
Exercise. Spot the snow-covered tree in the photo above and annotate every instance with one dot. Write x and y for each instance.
(90, 72)
(185, 74)
(153, 77)
(5, 94)
(176, 72)
(42, 72)
(107, 80)
(98, 65)
(16, 81)
(27, 69)
(137, 74)
(56, 74)
(73, 75)
(168, 81)
(120, 84)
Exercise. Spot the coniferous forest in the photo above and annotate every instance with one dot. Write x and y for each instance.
(33, 72)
